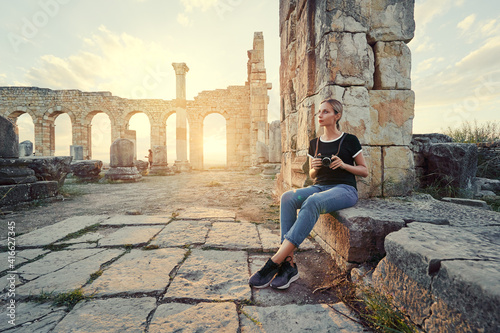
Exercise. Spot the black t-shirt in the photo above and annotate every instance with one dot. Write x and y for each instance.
(349, 149)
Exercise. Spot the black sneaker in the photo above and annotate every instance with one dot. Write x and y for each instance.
(286, 275)
(264, 276)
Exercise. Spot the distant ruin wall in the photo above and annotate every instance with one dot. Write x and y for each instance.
(244, 107)
(354, 51)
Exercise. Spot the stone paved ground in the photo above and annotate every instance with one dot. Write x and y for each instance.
(185, 272)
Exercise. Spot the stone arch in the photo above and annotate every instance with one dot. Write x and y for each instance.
(47, 138)
(203, 117)
(14, 112)
(86, 122)
(131, 134)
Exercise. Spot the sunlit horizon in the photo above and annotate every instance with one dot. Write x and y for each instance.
(455, 68)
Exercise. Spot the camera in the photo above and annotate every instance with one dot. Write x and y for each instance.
(325, 161)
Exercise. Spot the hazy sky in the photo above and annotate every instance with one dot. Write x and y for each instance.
(113, 45)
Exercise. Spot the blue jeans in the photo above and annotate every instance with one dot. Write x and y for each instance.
(312, 201)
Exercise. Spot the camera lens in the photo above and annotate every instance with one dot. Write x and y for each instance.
(326, 161)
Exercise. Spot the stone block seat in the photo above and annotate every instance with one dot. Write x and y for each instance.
(440, 260)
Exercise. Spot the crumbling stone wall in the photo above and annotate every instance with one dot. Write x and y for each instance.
(245, 109)
(354, 51)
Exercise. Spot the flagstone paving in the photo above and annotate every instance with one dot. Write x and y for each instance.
(184, 272)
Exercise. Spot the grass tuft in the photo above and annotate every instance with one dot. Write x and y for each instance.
(469, 132)
(374, 309)
(69, 299)
(81, 232)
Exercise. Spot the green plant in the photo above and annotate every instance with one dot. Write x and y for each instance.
(68, 299)
(486, 168)
(374, 310)
(252, 319)
(382, 314)
(493, 202)
(469, 132)
(442, 187)
(81, 232)
(94, 276)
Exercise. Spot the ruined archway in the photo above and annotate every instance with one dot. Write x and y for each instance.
(138, 129)
(214, 141)
(243, 106)
(62, 134)
(171, 138)
(100, 137)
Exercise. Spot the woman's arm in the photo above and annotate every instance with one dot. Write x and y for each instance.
(359, 169)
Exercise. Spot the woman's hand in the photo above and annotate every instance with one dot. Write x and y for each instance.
(336, 163)
(316, 163)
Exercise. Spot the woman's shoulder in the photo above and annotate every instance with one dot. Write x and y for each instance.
(350, 136)
(352, 139)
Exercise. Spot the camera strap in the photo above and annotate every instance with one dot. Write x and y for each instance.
(338, 151)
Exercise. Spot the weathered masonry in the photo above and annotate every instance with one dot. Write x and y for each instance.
(245, 109)
(354, 51)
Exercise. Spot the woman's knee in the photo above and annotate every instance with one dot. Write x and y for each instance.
(287, 197)
(311, 202)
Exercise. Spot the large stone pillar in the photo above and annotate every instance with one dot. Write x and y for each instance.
(181, 162)
(196, 144)
(38, 128)
(353, 51)
(82, 136)
(259, 101)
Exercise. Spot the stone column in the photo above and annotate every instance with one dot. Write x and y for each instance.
(181, 162)
(38, 128)
(82, 136)
(196, 144)
(52, 138)
(259, 100)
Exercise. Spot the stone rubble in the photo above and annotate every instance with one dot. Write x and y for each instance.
(188, 271)
(86, 170)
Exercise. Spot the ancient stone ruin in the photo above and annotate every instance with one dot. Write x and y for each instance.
(18, 181)
(244, 107)
(122, 162)
(438, 258)
(356, 52)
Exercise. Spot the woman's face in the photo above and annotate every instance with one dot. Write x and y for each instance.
(326, 115)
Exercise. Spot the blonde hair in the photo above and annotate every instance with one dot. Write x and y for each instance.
(337, 108)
